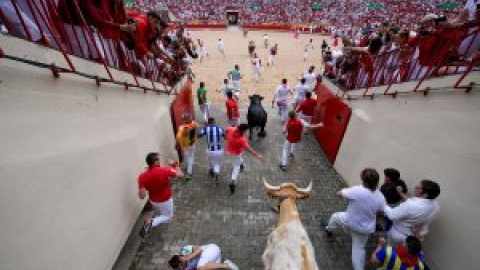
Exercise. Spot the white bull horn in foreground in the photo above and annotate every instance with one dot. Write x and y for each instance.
(288, 245)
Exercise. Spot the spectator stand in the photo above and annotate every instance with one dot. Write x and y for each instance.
(73, 35)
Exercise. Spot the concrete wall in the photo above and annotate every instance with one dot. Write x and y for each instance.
(433, 137)
(70, 153)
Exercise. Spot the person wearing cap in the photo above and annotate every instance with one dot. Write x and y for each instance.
(206, 257)
(390, 187)
(154, 182)
(186, 138)
(415, 215)
(237, 143)
(293, 135)
(407, 256)
(214, 136)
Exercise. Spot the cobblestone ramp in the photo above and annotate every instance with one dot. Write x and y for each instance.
(240, 223)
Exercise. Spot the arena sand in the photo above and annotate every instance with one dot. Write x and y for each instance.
(289, 62)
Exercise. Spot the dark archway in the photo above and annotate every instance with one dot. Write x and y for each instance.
(232, 17)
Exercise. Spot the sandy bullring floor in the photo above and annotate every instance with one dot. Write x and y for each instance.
(289, 62)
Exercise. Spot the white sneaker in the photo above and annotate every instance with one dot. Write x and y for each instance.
(231, 265)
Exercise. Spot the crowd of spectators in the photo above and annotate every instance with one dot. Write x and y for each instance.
(394, 52)
(348, 15)
(135, 39)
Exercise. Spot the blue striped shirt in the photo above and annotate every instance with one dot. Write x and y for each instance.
(214, 136)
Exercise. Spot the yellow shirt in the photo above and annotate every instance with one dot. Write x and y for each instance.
(187, 134)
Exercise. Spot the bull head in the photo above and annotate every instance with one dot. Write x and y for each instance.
(289, 190)
(255, 99)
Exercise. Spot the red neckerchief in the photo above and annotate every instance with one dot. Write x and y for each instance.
(407, 259)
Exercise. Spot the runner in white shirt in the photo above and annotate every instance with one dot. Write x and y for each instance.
(300, 91)
(364, 202)
(200, 257)
(280, 97)
(202, 51)
(256, 65)
(265, 40)
(227, 87)
(310, 77)
(308, 49)
(221, 47)
(413, 216)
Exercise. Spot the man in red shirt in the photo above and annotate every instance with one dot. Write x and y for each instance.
(307, 108)
(293, 131)
(155, 182)
(237, 142)
(232, 110)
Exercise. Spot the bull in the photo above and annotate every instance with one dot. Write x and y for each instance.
(256, 116)
(288, 245)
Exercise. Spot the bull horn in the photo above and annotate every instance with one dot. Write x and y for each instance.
(268, 186)
(307, 189)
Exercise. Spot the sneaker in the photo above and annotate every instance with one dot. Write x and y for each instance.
(217, 181)
(231, 265)
(283, 167)
(147, 225)
(232, 187)
(211, 173)
(323, 224)
(242, 167)
(188, 177)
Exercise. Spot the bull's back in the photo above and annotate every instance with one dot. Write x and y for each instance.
(289, 248)
(256, 114)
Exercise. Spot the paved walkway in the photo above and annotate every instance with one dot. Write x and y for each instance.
(240, 223)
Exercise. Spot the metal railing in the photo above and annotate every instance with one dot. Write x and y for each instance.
(411, 63)
(40, 21)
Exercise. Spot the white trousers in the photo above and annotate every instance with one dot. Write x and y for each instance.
(210, 254)
(214, 159)
(236, 85)
(233, 122)
(189, 152)
(205, 111)
(256, 74)
(271, 60)
(288, 149)
(282, 110)
(165, 211)
(394, 237)
(359, 240)
(236, 167)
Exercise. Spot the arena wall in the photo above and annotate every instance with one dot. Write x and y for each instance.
(425, 137)
(70, 153)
